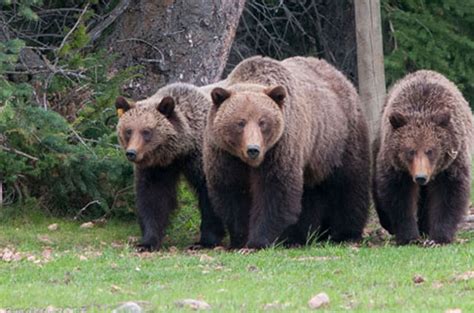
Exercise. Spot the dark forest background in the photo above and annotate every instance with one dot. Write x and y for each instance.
(63, 63)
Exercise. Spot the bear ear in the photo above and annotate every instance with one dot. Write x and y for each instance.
(122, 105)
(278, 94)
(219, 95)
(397, 120)
(442, 118)
(166, 106)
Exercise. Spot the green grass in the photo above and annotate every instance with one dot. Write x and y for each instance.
(96, 269)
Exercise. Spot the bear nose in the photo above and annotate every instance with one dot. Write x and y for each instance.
(131, 154)
(253, 151)
(421, 179)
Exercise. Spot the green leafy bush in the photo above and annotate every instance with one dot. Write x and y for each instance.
(58, 145)
(435, 34)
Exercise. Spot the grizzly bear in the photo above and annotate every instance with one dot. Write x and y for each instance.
(422, 178)
(162, 136)
(284, 140)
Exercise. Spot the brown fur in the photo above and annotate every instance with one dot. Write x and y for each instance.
(423, 158)
(164, 134)
(306, 119)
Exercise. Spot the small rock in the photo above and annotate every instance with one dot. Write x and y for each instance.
(53, 227)
(87, 225)
(193, 304)
(318, 301)
(129, 307)
(418, 279)
(453, 311)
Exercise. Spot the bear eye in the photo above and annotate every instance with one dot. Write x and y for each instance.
(262, 123)
(241, 124)
(128, 133)
(429, 152)
(411, 152)
(146, 133)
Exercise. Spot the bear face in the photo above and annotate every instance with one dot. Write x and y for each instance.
(149, 133)
(422, 145)
(246, 123)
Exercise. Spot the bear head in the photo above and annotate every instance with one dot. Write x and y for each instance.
(247, 122)
(422, 144)
(149, 134)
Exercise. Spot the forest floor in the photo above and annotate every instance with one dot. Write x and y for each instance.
(96, 269)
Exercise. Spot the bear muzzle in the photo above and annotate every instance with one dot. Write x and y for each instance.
(131, 154)
(253, 151)
(421, 169)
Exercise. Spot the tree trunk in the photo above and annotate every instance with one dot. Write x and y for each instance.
(370, 64)
(174, 40)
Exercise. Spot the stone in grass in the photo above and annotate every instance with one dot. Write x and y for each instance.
(53, 227)
(128, 307)
(87, 225)
(193, 304)
(318, 301)
(453, 311)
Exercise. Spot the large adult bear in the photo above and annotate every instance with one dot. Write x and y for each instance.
(284, 140)
(162, 136)
(422, 178)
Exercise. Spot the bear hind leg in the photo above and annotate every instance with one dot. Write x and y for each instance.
(212, 228)
(349, 190)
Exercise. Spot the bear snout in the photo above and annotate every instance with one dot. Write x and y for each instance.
(421, 179)
(131, 154)
(253, 151)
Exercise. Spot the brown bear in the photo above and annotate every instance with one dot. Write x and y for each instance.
(162, 135)
(286, 153)
(422, 178)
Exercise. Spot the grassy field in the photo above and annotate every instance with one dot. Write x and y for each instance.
(96, 269)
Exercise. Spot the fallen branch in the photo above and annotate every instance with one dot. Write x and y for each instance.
(85, 208)
(18, 152)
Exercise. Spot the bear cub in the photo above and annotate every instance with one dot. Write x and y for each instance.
(162, 136)
(422, 178)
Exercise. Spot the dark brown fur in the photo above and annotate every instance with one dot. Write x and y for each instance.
(422, 171)
(314, 153)
(164, 132)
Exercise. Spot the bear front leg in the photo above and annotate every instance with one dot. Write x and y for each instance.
(276, 202)
(232, 206)
(227, 182)
(156, 199)
(396, 195)
(448, 200)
